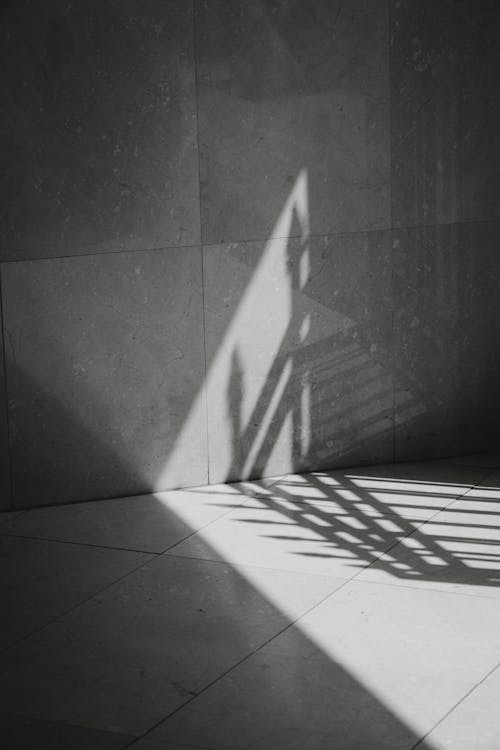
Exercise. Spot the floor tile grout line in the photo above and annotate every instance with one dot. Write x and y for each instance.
(458, 703)
(405, 536)
(352, 579)
(291, 624)
(158, 553)
(254, 651)
(202, 528)
(53, 540)
(417, 528)
(243, 565)
(61, 615)
(241, 505)
(57, 722)
(452, 592)
(347, 579)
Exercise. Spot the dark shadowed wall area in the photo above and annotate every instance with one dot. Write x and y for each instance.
(244, 238)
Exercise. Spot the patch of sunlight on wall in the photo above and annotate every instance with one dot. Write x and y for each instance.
(254, 337)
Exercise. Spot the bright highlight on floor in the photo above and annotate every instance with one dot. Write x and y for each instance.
(345, 609)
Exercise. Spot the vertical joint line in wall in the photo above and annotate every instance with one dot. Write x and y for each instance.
(391, 231)
(394, 381)
(205, 359)
(6, 398)
(197, 121)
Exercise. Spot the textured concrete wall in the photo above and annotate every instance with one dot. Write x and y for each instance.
(244, 238)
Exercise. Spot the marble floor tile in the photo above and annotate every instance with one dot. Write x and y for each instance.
(457, 550)
(473, 723)
(23, 732)
(148, 523)
(488, 487)
(14, 627)
(275, 532)
(43, 579)
(487, 460)
(141, 649)
(452, 480)
(147, 744)
(371, 667)
(378, 491)
(7, 517)
(249, 634)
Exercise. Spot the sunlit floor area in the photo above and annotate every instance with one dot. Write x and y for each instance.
(341, 610)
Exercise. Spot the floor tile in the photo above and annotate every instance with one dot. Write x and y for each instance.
(487, 460)
(474, 723)
(85, 424)
(378, 491)
(458, 549)
(44, 579)
(488, 488)
(101, 115)
(141, 649)
(450, 479)
(149, 523)
(22, 732)
(281, 534)
(14, 627)
(373, 666)
(147, 744)
(7, 517)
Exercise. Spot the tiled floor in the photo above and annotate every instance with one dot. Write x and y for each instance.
(355, 609)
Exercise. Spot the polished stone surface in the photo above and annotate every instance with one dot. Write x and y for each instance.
(105, 356)
(298, 336)
(6, 517)
(150, 643)
(334, 523)
(147, 523)
(14, 627)
(99, 128)
(285, 87)
(445, 111)
(408, 492)
(446, 353)
(456, 550)
(44, 579)
(303, 689)
(169, 652)
(20, 733)
(474, 722)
